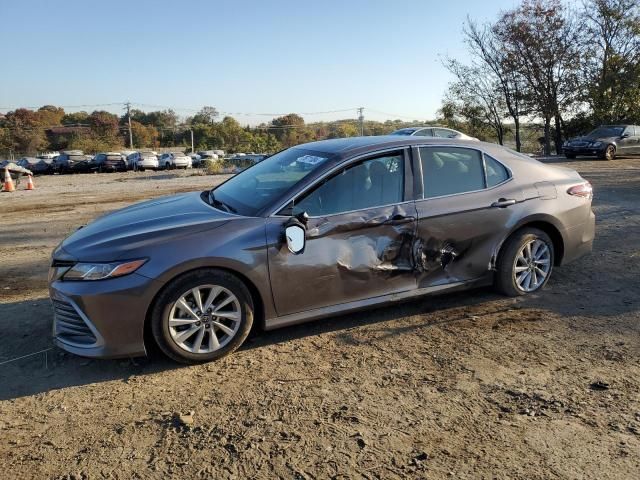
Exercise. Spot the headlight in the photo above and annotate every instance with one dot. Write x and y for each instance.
(101, 271)
(596, 144)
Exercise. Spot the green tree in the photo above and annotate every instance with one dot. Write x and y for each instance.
(542, 40)
(206, 115)
(611, 65)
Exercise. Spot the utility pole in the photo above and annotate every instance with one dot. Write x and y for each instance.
(192, 149)
(361, 120)
(128, 104)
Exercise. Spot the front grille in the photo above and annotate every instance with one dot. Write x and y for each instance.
(69, 326)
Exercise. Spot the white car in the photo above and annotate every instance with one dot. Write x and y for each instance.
(436, 132)
(143, 160)
(175, 160)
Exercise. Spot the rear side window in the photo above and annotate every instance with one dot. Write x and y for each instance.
(372, 183)
(451, 170)
(496, 172)
(425, 132)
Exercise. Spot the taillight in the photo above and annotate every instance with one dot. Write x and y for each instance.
(584, 190)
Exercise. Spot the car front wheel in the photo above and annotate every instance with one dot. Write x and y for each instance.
(609, 153)
(202, 316)
(525, 263)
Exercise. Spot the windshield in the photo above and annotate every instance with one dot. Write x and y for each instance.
(251, 190)
(601, 132)
(404, 131)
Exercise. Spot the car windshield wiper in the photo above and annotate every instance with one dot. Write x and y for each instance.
(220, 204)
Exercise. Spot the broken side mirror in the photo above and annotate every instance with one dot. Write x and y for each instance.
(295, 231)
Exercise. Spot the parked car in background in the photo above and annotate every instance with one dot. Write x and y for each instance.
(196, 160)
(436, 132)
(605, 142)
(109, 162)
(244, 161)
(37, 165)
(72, 161)
(314, 231)
(143, 160)
(175, 160)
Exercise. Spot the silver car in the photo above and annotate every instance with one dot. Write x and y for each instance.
(433, 131)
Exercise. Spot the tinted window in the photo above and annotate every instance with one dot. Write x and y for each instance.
(496, 172)
(451, 170)
(372, 183)
(604, 132)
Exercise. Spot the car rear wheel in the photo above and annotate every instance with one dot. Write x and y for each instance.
(570, 156)
(202, 316)
(525, 262)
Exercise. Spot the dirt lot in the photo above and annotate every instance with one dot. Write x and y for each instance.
(469, 385)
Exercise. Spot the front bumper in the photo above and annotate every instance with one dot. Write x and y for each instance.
(583, 151)
(113, 312)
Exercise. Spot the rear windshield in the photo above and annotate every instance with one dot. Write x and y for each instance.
(114, 157)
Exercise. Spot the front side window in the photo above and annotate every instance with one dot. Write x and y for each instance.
(451, 170)
(372, 183)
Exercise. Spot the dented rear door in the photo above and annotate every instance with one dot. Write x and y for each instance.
(458, 232)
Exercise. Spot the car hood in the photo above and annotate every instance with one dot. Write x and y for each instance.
(587, 138)
(111, 236)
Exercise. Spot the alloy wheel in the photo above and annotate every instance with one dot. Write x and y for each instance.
(532, 265)
(610, 152)
(204, 319)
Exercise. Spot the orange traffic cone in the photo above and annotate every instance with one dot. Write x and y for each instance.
(8, 181)
(30, 185)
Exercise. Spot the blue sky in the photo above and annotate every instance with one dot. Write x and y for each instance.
(239, 56)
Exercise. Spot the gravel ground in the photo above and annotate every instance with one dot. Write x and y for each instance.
(469, 385)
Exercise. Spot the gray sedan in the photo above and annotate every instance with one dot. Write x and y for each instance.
(314, 231)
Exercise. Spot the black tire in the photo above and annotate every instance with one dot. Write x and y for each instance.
(609, 153)
(505, 281)
(570, 156)
(173, 291)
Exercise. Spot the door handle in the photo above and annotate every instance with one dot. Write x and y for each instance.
(399, 218)
(504, 203)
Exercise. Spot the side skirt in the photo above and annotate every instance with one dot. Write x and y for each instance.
(332, 310)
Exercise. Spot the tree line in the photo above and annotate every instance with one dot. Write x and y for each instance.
(543, 61)
(25, 131)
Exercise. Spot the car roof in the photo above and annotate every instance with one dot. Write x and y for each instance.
(360, 145)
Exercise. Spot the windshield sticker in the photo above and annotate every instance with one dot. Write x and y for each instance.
(311, 159)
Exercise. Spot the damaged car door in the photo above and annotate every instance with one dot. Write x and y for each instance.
(360, 223)
(468, 198)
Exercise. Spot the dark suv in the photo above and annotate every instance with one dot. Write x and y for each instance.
(110, 161)
(72, 161)
(605, 142)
